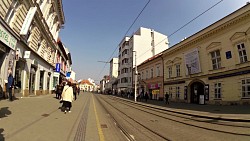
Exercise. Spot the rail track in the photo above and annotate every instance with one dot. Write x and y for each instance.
(199, 122)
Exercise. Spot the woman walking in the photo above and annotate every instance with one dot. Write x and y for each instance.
(67, 97)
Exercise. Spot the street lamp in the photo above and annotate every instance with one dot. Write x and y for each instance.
(135, 77)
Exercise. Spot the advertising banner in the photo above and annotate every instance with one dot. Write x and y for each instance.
(192, 62)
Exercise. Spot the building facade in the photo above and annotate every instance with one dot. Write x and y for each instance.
(111, 86)
(150, 78)
(103, 84)
(35, 26)
(143, 44)
(86, 85)
(212, 66)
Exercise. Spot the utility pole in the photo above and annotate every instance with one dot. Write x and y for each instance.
(135, 77)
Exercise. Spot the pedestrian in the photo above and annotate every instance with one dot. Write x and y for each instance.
(146, 96)
(166, 98)
(78, 89)
(59, 90)
(67, 97)
(56, 91)
(74, 90)
(10, 84)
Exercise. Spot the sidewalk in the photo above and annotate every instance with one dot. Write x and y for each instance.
(37, 118)
(238, 113)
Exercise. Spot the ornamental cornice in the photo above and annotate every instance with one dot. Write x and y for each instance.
(177, 60)
(43, 27)
(213, 46)
(169, 62)
(203, 34)
(237, 36)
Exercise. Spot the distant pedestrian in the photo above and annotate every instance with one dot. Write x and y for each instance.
(10, 84)
(59, 89)
(74, 90)
(146, 96)
(78, 89)
(67, 97)
(166, 98)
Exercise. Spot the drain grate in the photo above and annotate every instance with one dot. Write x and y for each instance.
(45, 115)
(104, 126)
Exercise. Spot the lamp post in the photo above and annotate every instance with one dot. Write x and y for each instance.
(135, 77)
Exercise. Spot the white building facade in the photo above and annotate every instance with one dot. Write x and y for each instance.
(34, 27)
(143, 44)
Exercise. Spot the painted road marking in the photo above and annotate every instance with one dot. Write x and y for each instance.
(101, 136)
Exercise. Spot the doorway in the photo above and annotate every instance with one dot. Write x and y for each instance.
(197, 89)
(32, 81)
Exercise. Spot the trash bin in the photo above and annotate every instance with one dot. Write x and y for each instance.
(202, 100)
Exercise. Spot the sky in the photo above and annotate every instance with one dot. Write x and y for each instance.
(93, 29)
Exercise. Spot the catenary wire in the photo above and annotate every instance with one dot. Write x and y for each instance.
(125, 35)
(183, 26)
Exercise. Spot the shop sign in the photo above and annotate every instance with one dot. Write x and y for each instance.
(27, 21)
(7, 38)
(155, 91)
(56, 74)
(58, 67)
(68, 74)
(26, 54)
(154, 86)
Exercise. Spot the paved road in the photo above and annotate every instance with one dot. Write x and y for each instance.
(40, 119)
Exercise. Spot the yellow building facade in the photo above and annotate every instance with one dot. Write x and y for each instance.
(212, 66)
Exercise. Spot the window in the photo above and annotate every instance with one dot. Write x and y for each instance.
(157, 71)
(152, 73)
(245, 88)
(169, 72)
(242, 52)
(170, 92)
(177, 92)
(142, 75)
(11, 11)
(178, 70)
(146, 74)
(217, 90)
(216, 59)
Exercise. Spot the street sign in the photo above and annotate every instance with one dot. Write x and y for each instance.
(68, 74)
(58, 67)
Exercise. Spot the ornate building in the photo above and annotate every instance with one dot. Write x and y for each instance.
(212, 66)
(35, 26)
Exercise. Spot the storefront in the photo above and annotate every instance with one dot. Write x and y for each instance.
(155, 91)
(7, 56)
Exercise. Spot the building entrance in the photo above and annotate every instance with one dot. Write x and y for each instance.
(197, 89)
(32, 81)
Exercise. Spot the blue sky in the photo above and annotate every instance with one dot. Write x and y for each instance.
(94, 28)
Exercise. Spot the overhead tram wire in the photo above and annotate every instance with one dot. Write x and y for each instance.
(126, 34)
(184, 26)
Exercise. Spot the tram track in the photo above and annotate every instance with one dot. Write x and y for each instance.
(188, 120)
(128, 135)
(198, 118)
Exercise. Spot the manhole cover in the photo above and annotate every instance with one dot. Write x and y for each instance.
(104, 126)
(45, 115)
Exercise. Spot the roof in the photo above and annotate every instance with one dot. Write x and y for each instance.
(86, 82)
(151, 58)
